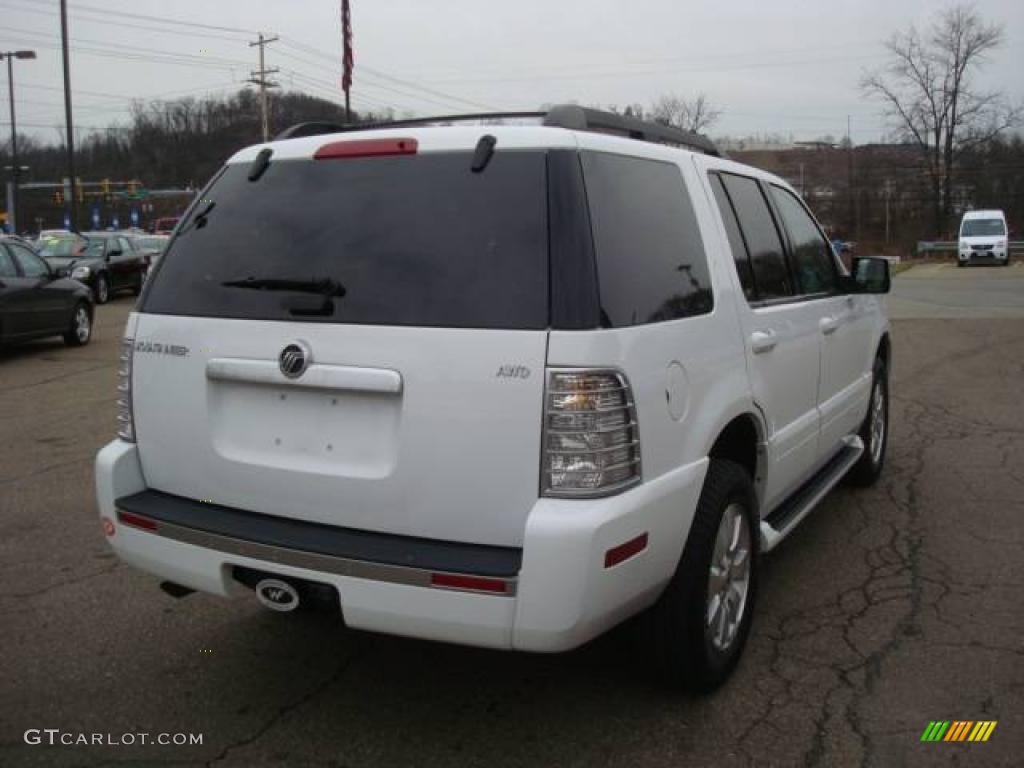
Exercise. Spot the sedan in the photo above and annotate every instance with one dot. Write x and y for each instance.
(35, 302)
(108, 262)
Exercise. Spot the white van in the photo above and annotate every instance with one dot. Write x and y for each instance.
(501, 385)
(983, 238)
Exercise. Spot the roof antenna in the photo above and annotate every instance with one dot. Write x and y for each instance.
(483, 153)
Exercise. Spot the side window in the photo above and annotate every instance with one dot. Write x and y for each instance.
(31, 265)
(771, 274)
(812, 255)
(6, 264)
(732, 230)
(126, 245)
(651, 263)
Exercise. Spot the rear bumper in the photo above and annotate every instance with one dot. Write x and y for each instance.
(562, 594)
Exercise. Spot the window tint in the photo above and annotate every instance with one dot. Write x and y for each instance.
(771, 274)
(812, 255)
(732, 230)
(418, 240)
(6, 264)
(31, 265)
(650, 257)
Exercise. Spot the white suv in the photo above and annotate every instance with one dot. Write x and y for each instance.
(501, 385)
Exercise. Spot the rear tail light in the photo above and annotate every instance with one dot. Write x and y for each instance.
(591, 442)
(125, 419)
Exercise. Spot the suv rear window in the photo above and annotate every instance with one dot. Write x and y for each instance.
(411, 241)
(651, 264)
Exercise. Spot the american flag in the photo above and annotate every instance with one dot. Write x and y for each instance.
(348, 59)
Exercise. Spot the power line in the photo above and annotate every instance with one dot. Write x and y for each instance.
(106, 21)
(382, 75)
(106, 13)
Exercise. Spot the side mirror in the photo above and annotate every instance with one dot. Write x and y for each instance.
(871, 274)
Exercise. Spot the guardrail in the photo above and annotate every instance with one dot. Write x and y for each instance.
(924, 247)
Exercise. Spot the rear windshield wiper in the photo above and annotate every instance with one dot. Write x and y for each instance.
(323, 287)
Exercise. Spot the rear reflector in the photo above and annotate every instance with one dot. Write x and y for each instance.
(367, 148)
(618, 554)
(474, 583)
(136, 521)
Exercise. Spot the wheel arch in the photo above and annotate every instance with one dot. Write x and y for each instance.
(885, 349)
(742, 440)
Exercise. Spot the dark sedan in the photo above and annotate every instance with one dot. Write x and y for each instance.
(107, 262)
(36, 302)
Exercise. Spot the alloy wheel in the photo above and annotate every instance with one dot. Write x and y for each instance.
(728, 578)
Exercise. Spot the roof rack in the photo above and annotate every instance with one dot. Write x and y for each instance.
(568, 116)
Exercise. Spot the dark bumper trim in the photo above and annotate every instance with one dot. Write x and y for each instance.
(305, 544)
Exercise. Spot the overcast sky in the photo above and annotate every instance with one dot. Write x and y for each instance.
(785, 67)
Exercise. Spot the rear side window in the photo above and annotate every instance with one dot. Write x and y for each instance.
(418, 240)
(812, 255)
(651, 264)
(771, 275)
(6, 264)
(31, 265)
(732, 230)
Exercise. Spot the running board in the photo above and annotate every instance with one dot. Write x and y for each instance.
(784, 518)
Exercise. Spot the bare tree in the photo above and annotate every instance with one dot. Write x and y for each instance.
(928, 92)
(696, 115)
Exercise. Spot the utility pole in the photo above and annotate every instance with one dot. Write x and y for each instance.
(259, 77)
(888, 194)
(12, 197)
(849, 175)
(72, 199)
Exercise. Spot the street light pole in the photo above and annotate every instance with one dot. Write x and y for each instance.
(72, 201)
(12, 213)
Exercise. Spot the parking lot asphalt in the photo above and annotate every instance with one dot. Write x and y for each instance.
(948, 291)
(887, 609)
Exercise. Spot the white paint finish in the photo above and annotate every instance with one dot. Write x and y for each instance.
(847, 355)
(454, 456)
(784, 380)
(566, 596)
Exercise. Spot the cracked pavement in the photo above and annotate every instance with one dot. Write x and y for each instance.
(887, 608)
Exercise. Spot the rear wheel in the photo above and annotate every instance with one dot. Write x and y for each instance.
(700, 624)
(102, 290)
(81, 327)
(874, 432)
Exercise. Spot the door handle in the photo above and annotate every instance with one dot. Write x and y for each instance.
(763, 341)
(828, 325)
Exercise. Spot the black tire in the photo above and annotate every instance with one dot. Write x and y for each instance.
(677, 633)
(101, 291)
(868, 468)
(79, 334)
